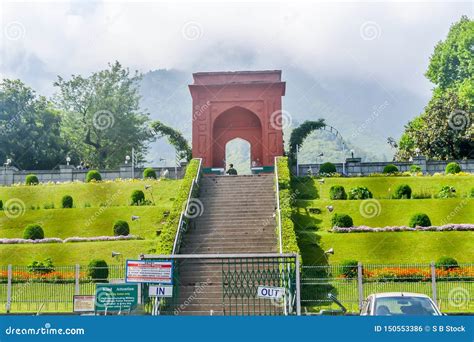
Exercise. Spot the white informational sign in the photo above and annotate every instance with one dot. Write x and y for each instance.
(160, 291)
(149, 271)
(84, 303)
(270, 292)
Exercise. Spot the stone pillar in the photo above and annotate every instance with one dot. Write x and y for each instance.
(353, 166)
(7, 174)
(421, 162)
(126, 171)
(66, 173)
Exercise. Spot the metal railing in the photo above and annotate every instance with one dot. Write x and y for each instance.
(277, 194)
(183, 219)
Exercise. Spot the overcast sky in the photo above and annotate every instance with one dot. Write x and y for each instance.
(388, 42)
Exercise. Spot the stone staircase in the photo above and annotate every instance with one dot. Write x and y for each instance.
(238, 218)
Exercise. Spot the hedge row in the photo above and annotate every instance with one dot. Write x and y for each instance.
(168, 233)
(288, 234)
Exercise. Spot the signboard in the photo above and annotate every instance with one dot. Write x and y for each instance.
(149, 271)
(270, 292)
(116, 297)
(84, 303)
(160, 291)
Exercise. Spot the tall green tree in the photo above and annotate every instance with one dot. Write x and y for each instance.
(29, 128)
(102, 116)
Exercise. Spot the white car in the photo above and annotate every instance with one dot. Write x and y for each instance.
(399, 304)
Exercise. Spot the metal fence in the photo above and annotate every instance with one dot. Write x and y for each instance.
(452, 287)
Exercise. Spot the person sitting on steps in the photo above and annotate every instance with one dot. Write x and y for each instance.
(232, 171)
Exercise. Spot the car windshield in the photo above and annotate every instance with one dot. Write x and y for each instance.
(393, 306)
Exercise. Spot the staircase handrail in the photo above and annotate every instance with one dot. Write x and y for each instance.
(278, 206)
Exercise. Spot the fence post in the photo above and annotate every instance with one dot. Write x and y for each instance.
(298, 289)
(360, 284)
(9, 289)
(77, 289)
(433, 283)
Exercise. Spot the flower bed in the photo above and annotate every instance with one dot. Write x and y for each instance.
(51, 277)
(366, 229)
(70, 239)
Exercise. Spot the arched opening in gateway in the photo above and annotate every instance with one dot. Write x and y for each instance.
(237, 152)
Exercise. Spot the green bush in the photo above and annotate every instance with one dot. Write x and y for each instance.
(447, 192)
(446, 263)
(33, 232)
(93, 175)
(31, 180)
(453, 168)
(403, 191)
(342, 221)
(337, 192)
(137, 197)
(348, 269)
(283, 173)
(472, 192)
(1, 204)
(121, 228)
(360, 192)
(98, 271)
(67, 201)
(149, 173)
(41, 267)
(327, 168)
(420, 219)
(415, 168)
(390, 168)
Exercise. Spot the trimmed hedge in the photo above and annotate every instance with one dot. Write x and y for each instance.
(288, 234)
(390, 168)
(342, 220)
(31, 180)
(149, 173)
(1, 204)
(446, 263)
(93, 175)
(98, 270)
(67, 202)
(168, 233)
(420, 219)
(337, 192)
(327, 168)
(348, 269)
(453, 168)
(403, 191)
(121, 228)
(415, 168)
(33, 232)
(360, 192)
(137, 197)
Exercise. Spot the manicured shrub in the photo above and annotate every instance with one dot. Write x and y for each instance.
(327, 168)
(390, 168)
(31, 180)
(341, 220)
(419, 219)
(33, 232)
(446, 263)
(137, 197)
(447, 192)
(1, 204)
(423, 194)
(472, 192)
(67, 201)
(121, 228)
(415, 168)
(337, 192)
(41, 267)
(98, 270)
(403, 191)
(453, 168)
(348, 268)
(149, 173)
(93, 175)
(360, 192)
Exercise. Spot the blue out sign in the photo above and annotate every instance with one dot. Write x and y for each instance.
(270, 292)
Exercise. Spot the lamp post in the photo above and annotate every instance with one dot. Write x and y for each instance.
(6, 164)
(137, 218)
(119, 257)
(68, 160)
(150, 188)
(330, 251)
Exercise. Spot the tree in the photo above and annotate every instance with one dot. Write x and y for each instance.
(175, 138)
(102, 116)
(29, 128)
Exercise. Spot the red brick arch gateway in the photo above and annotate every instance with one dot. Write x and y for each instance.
(229, 105)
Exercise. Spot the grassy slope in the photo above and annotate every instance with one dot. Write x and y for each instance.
(405, 247)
